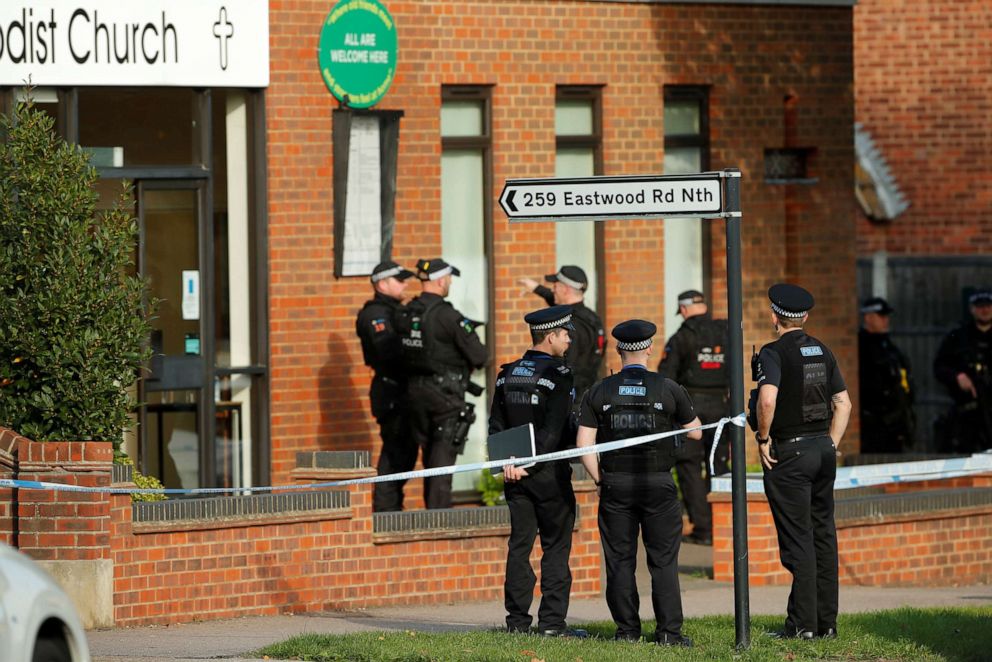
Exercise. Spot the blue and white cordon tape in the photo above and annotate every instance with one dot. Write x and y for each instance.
(422, 473)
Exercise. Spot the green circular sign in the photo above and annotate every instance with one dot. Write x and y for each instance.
(357, 52)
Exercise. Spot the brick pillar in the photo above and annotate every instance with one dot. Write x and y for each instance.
(8, 470)
(69, 532)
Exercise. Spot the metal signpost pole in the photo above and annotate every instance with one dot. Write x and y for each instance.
(738, 491)
(706, 195)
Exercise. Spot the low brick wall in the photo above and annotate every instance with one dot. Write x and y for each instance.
(932, 533)
(294, 552)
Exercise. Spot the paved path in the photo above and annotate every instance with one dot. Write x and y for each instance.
(701, 597)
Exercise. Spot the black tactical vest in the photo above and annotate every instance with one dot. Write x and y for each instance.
(413, 325)
(526, 385)
(630, 404)
(803, 404)
(705, 366)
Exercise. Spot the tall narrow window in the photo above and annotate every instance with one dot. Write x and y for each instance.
(687, 147)
(578, 153)
(466, 236)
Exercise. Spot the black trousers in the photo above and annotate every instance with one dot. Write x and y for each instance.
(429, 406)
(695, 460)
(647, 502)
(800, 490)
(399, 454)
(542, 504)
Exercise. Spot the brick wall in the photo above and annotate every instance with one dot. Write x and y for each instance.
(172, 573)
(923, 87)
(752, 57)
(944, 547)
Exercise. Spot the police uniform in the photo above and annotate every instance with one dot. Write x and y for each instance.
(538, 389)
(800, 487)
(885, 383)
(381, 350)
(637, 490)
(585, 355)
(695, 358)
(968, 350)
(440, 349)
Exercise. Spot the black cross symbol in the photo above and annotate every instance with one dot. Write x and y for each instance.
(223, 30)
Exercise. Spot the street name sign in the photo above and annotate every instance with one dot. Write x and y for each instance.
(602, 198)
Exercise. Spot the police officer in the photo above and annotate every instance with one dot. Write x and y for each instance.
(802, 410)
(636, 486)
(440, 349)
(885, 382)
(585, 356)
(694, 357)
(537, 389)
(381, 349)
(963, 366)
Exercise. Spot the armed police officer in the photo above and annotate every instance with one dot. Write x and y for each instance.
(964, 366)
(585, 356)
(538, 389)
(885, 382)
(695, 358)
(636, 486)
(381, 349)
(802, 412)
(440, 349)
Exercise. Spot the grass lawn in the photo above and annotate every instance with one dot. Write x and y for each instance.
(907, 634)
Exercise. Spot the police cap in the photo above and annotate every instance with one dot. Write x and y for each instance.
(570, 275)
(634, 335)
(389, 269)
(981, 297)
(435, 268)
(877, 305)
(690, 297)
(790, 300)
(550, 318)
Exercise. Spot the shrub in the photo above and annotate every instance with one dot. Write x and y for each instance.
(73, 320)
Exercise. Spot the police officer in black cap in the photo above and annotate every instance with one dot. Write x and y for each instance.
(537, 389)
(885, 383)
(802, 413)
(585, 356)
(381, 349)
(695, 358)
(964, 366)
(440, 349)
(636, 486)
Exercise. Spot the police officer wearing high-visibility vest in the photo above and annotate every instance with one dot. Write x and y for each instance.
(440, 349)
(381, 349)
(695, 358)
(585, 356)
(636, 487)
(537, 389)
(802, 412)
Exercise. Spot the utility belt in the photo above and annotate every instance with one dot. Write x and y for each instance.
(639, 463)
(796, 440)
(449, 382)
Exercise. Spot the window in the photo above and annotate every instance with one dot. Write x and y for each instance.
(466, 232)
(578, 153)
(687, 150)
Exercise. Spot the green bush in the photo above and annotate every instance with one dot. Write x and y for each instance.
(490, 488)
(73, 316)
(142, 481)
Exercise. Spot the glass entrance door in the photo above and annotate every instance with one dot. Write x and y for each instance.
(172, 421)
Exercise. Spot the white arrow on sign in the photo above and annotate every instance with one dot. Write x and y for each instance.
(601, 198)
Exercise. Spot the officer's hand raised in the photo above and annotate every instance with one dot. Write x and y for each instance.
(529, 283)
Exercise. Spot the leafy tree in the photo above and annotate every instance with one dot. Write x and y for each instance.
(73, 312)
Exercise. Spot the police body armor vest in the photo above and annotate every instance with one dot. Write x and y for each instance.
(803, 404)
(706, 367)
(417, 340)
(632, 407)
(526, 385)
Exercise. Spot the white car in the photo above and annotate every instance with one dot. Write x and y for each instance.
(38, 622)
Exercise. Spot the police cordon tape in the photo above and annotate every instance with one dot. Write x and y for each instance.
(738, 420)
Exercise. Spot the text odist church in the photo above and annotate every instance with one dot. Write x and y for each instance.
(278, 150)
